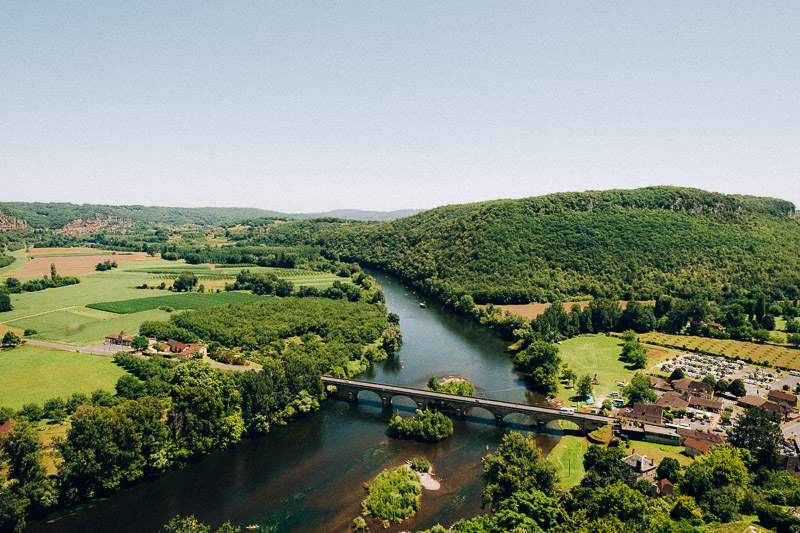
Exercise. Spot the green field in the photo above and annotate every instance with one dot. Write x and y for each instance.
(20, 258)
(192, 300)
(599, 355)
(116, 284)
(595, 354)
(568, 457)
(81, 326)
(30, 374)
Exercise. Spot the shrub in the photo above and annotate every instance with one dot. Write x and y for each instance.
(421, 465)
(426, 426)
(393, 495)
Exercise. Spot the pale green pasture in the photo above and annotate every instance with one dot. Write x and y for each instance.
(82, 326)
(20, 258)
(568, 457)
(595, 354)
(32, 375)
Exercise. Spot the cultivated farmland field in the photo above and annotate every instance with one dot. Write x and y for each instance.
(107, 302)
(32, 375)
(775, 355)
(192, 300)
(531, 311)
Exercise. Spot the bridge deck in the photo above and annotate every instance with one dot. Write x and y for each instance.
(465, 400)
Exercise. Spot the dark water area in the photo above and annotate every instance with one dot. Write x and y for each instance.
(309, 475)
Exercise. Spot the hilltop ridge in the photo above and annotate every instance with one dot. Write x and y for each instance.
(620, 243)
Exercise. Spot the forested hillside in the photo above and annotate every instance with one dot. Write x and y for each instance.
(57, 215)
(630, 244)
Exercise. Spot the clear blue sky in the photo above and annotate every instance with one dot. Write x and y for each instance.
(310, 106)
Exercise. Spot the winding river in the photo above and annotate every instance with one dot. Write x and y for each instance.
(309, 475)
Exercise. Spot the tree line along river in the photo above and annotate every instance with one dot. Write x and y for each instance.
(309, 475)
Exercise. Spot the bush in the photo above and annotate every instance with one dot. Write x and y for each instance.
(420, 465)
(393, 495)
(426, 426)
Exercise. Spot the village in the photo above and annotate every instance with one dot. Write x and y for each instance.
(690, 414)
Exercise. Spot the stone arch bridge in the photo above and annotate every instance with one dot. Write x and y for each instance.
(461, 404)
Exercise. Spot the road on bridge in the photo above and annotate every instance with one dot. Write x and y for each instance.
(464, 401)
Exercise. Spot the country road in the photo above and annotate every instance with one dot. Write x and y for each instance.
(109, 350)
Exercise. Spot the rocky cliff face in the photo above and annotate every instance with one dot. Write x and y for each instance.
(10, 222)
(94, 225)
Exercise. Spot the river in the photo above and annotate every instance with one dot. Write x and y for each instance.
(309, 475)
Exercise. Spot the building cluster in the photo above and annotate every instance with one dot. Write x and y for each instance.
(170, 347)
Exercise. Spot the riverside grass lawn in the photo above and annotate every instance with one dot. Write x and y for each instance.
(61, 315)
(568, 457)
(29, 374)
(599, 354)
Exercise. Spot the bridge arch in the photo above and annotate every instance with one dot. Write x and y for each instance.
(368, 395)
(408, 402)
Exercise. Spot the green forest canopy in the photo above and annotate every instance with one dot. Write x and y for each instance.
(630, 244)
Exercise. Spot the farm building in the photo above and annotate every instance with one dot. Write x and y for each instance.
(193, 350)
(705, 404)
(175, 346)
(780, 412)
(119, 339)
(688, 433)
(665, 487)
(4, 429)
(660, 383)
(694, 388)
(791, 463)
(751, 401)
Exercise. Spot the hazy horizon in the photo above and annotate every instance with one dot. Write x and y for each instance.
(308, 107)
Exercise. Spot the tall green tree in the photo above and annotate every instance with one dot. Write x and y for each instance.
(604, 467)
(755, 431)
(542, 361)
(24, 451)
(583, 389)
(516, 466)
(639, 390)
(5, 301)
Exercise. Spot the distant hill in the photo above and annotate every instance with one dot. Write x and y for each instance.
(55, 216)
(92, 218)
(620, 243)
(357, 214)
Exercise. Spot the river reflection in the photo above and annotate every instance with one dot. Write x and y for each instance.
(309, 476)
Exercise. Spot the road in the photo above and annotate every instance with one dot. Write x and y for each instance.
(109, 350)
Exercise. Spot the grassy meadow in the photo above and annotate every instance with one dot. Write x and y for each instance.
(29, 374)
(599, 355)
(568, 457)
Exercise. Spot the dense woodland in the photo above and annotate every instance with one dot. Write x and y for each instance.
(619, 244)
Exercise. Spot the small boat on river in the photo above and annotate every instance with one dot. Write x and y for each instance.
(422, 305)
